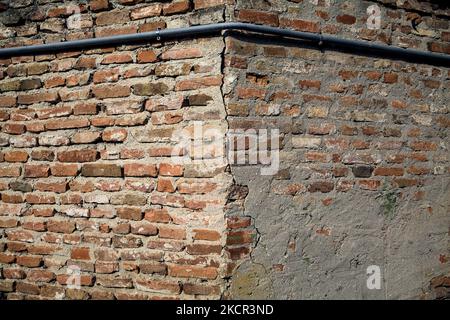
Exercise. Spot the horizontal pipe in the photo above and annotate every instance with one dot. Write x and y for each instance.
(324, 41)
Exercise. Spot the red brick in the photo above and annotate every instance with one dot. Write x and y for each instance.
(321, 186)
(66, 124)
(346, 19)
(29, 261)
(115, 58)
(7, 101)
(152, 26)
(98, 5)
(40, 198)
(251, 93)
(64, 170)
(390, 77)
(176, 7)
(40, 276)
(186, 271)
(34, 225)
(8, 223)
(101, 170)
(36, 171)
(27, 288)
(259, 17)
(169, 232)
(14, 273)
(208, 235)
(110, 75)
(85, 109)
(383, 171)
(129, 213)
(32, 98)
(416, 170)
(140, 170)
(84, 155)
(80, 254)
(185, 53)
(166, 169)
(114, 135)
(199, 289)
(60, 226)
(144, 229)
(158, 215)
(14, 128)
(10, 171)
(111, 91)
(46, 212)
(85, 280)
(158, 286)
(423, 146)
(240, 237)
(300, 25)
(198, 83)
(12, 198)
(58, 187)
(16, 156)
(85, 137)
(372, 185)
(114, 31)
(146, 12)
(119, 16)
(7, 258)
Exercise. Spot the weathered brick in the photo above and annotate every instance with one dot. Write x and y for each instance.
(114, 135)
(110, 75)
(150, 89)
(60, 226)
(16, 156)
(80, 254)
(101, 170)
(14, 128)
(193, 272)
(300, 25)
(130, 213)
(85, 137)
(36, 171)
(146, 12)
(10, 171)
(29, 261)
(98, 5)
(166, 169)
(83, 155)
(158, 215)
(111, 91)
(140, 170)
(176, 7)
(260, 17)
(64, 170)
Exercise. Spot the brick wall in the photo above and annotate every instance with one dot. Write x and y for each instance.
(90, 184)
(87, 177)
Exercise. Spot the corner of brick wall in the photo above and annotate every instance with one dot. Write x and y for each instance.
(87, 181)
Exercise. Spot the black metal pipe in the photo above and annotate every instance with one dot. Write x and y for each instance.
(324, 41)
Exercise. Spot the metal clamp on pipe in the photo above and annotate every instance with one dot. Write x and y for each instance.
(158, 34)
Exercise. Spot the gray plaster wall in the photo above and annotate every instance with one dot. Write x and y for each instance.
(406, 246)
